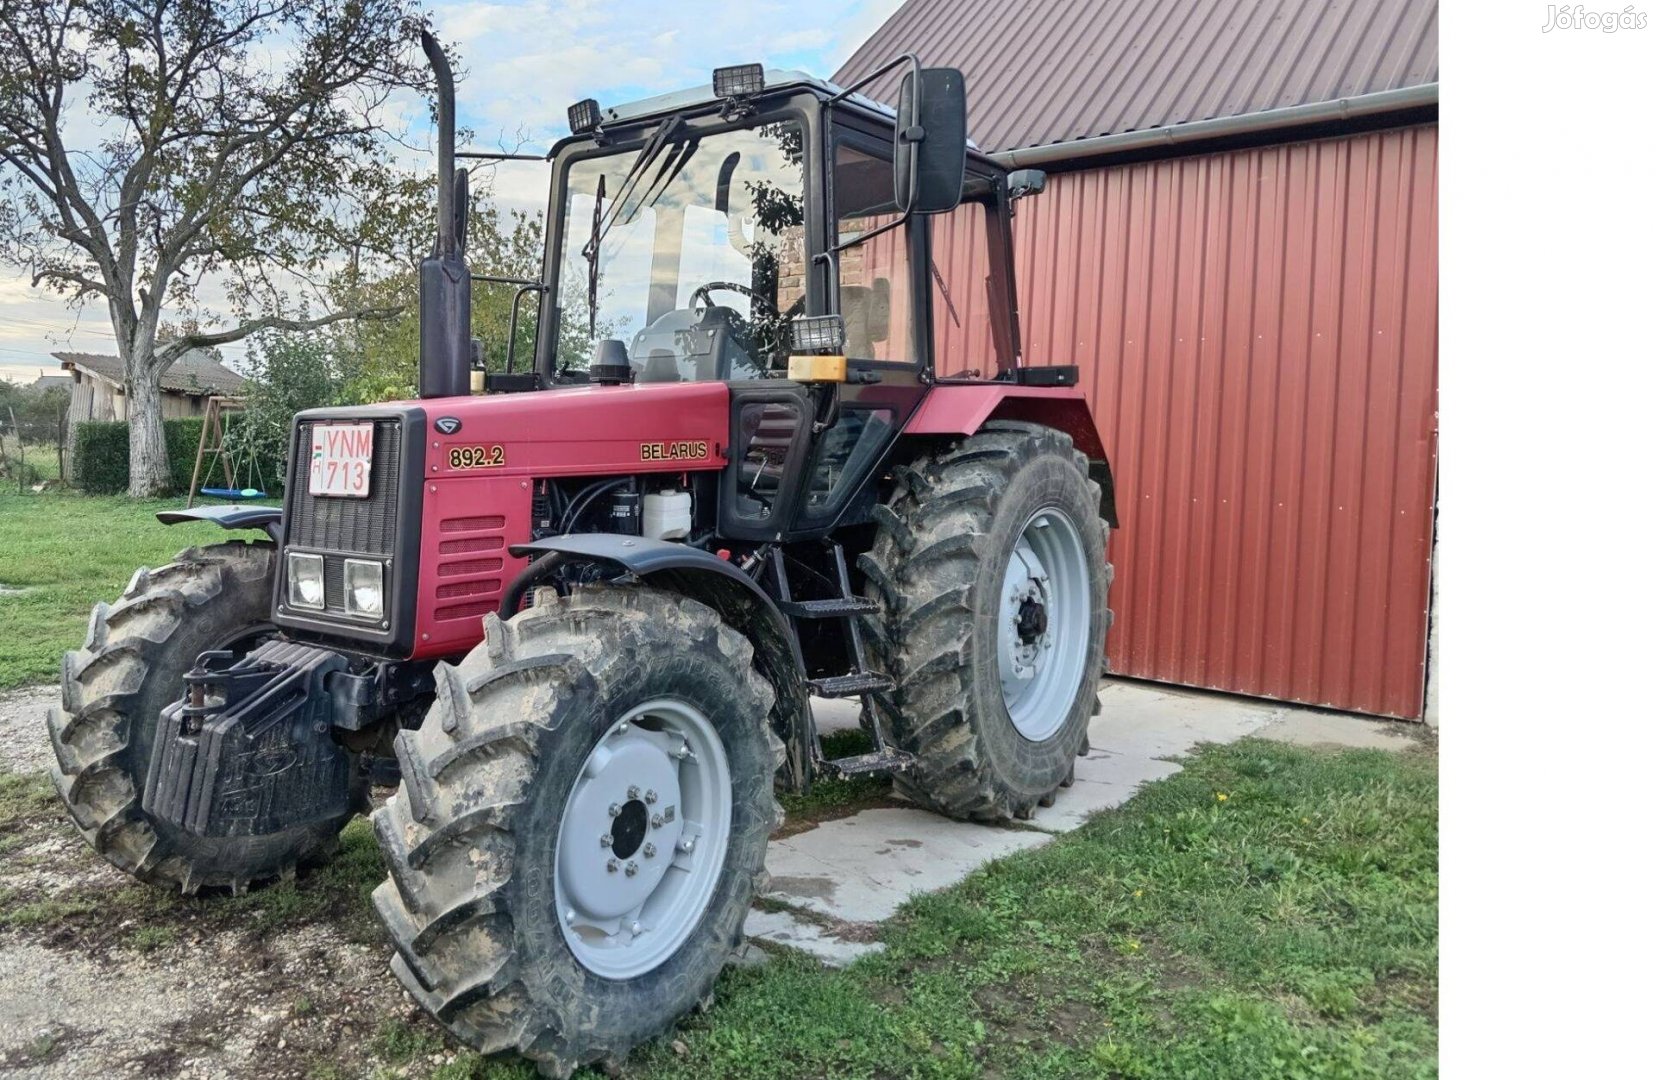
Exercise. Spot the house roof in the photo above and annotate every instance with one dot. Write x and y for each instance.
(196, 373)
(1049, 71)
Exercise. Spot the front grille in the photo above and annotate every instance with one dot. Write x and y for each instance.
(333, 524)
(338, 528)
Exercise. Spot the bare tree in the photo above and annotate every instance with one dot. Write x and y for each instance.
(210, 159)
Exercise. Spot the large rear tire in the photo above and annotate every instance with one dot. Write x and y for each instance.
(581, 825)
(989, 569)
(114, 688)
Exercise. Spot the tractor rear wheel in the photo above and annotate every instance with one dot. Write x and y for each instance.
(989, 569)
(114, 688)
(581, 825)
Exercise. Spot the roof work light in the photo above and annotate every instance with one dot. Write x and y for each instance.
(738, 81)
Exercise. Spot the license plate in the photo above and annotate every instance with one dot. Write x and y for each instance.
(341, 457)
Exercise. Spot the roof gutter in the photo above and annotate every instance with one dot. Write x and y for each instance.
(1178, 135)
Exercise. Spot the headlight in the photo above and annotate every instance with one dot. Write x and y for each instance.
(364, 587)
(304, 581)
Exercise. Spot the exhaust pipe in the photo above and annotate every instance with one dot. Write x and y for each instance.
(445, 282)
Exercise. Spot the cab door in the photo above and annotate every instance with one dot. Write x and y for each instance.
(883, 303)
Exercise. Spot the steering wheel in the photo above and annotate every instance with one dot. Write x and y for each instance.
(700, 296)
(775, 319)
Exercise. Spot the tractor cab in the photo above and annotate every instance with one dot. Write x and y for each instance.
(770, 231)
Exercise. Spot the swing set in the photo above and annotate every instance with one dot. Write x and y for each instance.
(212, 424)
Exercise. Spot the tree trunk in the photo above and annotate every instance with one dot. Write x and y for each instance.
(149, 471)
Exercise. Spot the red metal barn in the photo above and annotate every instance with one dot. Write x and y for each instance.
(1238, 244)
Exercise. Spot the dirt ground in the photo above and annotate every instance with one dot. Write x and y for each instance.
(100, 976)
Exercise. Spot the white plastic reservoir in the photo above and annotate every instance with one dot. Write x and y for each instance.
(667, 515)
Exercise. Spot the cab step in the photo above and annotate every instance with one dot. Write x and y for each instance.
(853, 685)
(837, 607)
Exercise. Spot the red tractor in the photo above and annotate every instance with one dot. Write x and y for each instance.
(582, 608)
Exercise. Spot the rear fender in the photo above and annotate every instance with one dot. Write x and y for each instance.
(963, 409)
(230, 516)
(704, 577)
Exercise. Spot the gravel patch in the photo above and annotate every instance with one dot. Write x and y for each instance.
(80, 998)
(23, 743)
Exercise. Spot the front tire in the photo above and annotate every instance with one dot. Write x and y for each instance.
(989, 569)
(132, 666)
(541, 896)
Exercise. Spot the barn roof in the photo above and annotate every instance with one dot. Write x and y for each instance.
(1050, 71)
(196, 373)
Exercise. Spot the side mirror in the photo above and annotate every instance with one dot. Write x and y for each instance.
(929, 161)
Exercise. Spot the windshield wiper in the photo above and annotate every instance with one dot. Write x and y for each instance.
(602, 223)
(591, 253)
(671, 166)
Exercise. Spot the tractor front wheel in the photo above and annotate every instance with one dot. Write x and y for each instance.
(581, 825)
(114, 688)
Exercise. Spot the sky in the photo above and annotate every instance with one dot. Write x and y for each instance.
(521, 64)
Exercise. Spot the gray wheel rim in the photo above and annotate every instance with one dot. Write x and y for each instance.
(1044, 619)
(643, 839)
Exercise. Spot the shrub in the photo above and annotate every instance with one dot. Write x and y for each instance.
(286, 374)
(101, 456)
(101, 460)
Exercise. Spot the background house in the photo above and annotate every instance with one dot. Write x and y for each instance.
(1238, 243)
(99, 391)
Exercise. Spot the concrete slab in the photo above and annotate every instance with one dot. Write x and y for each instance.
(862, 868)
(1102, 782)
(1148, 721)
(1308, 728)
(781, 928)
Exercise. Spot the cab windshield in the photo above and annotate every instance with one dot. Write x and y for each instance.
(690, 250)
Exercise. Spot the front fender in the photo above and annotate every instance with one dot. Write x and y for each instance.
(704, 577)
(230, 516)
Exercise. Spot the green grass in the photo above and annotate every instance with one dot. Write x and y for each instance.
(23, 797)
(837, 798)
(41, 458)
(1270, 912)
(66, 552)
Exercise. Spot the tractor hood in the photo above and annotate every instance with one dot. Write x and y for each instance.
(579, 431)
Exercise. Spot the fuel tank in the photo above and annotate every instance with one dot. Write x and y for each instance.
(483, 454)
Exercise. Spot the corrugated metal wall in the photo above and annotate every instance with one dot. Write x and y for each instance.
(1258, 334)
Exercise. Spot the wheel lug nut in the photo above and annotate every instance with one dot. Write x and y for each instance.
(649, 851)
(606, 840)
(632, 791)
(632, 868)
(650, 796)
(615, 809)
(613, 865)
(656, 821)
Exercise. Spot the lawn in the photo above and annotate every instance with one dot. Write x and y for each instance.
(1269, 912)
(66, 552)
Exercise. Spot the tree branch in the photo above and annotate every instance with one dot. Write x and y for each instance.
(183, 344)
